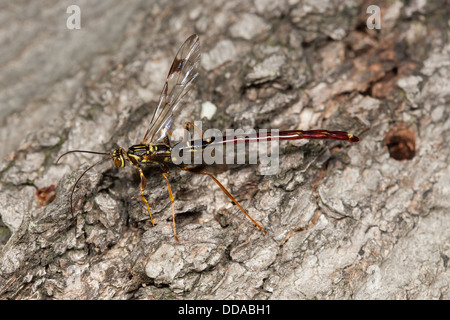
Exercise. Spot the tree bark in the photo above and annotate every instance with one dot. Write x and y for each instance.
(344, 221)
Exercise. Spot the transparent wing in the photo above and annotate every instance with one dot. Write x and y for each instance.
(181, 78)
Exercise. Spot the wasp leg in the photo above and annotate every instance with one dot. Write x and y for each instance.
(166, 176)
(143, 182)
(229, 195)
(188, 124)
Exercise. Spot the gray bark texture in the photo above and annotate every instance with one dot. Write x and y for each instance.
(344, 220)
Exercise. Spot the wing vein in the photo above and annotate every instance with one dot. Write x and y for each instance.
(181, 78)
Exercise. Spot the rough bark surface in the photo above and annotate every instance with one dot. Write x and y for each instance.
(343, 221)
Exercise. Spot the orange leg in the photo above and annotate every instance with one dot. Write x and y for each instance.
(143, 182)
(229, 195)
(188, 124)
(166, 176)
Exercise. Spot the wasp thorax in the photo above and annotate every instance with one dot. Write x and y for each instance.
(119, 158)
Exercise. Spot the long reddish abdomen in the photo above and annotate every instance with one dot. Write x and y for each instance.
(292, 135)
(196, 145)
(317, 134)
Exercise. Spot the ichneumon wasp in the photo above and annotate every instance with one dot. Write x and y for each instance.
(156, 147)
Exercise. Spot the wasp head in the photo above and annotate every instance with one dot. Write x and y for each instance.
(119, 157)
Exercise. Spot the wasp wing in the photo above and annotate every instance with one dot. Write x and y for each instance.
(180, 80)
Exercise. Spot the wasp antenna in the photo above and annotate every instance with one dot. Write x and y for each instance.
(83, 151)
(73, 190)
